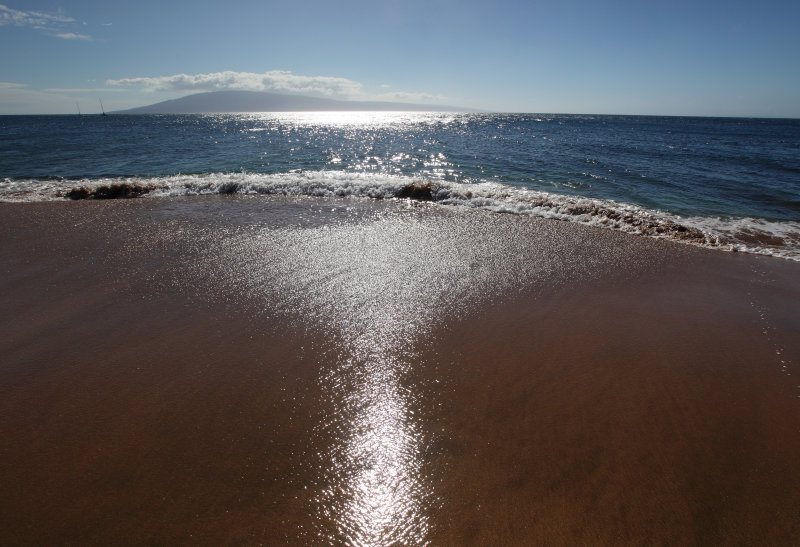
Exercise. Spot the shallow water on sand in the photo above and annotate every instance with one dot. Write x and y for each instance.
(376, 289)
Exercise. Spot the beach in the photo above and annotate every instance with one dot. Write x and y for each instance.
(248, 369)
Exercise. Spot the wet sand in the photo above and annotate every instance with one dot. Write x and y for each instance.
(268, 370)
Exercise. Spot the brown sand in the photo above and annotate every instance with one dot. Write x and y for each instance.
(218, 371)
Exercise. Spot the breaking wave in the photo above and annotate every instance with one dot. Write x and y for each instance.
(779, 239)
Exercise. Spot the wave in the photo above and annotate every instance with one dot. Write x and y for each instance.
(779, 239)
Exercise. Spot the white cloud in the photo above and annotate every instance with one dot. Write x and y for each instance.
(410, 97)
(73, 36)
(77, 89)
(282, 81)
(54, 24)
(35, 19)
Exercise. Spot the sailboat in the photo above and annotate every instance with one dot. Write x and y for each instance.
(103, 110)
(79, 108)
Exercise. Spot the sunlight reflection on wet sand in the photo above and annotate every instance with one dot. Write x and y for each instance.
(372, 485)
(377, 288)
(376, 489)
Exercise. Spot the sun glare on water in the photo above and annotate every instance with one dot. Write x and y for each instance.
(362, 119)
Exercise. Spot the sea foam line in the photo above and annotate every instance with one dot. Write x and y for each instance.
(780, 239)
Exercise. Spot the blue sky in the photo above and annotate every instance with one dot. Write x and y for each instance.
(630, 57)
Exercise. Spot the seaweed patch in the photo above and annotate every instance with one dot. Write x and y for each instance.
(111, 191)
(417, 190)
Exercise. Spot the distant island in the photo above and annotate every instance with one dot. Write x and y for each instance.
(260, 101)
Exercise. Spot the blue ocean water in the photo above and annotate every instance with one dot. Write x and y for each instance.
(729, 183)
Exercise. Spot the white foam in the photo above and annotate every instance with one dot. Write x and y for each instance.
(779, 239)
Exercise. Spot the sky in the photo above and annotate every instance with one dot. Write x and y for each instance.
(700, 58)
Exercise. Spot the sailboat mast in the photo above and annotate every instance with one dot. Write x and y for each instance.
(103, 110)
(79, 107)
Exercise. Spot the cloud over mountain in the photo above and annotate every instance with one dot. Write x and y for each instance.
(280, 81)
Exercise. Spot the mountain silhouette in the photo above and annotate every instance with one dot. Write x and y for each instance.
(261, 101)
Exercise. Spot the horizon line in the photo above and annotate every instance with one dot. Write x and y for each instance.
(432, 111)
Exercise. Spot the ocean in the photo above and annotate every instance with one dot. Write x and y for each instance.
(727, 183)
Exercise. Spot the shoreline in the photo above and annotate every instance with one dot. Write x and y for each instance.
(776, 238)
(271, 369)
